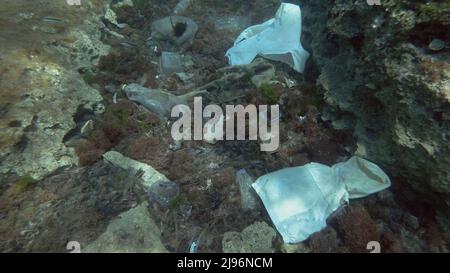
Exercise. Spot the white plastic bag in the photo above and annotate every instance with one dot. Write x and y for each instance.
(361, 177)
(300, 199)
(276, 39)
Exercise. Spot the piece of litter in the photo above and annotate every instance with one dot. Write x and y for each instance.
(158, 101)
(290, 83)
(276, 39)
(184, 77)
(249, 199)
(193, 248)
(87, 128)
(361, 177)
(300, 199)
(114, 98)
(170, 62)
(182, 6)
(175, 29)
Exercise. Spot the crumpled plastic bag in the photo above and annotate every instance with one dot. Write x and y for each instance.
(156, 100)
(176, 29)
(300, 199)
(361, 177)
(276, 39)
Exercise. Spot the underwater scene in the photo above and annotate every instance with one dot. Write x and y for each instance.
(213, 126)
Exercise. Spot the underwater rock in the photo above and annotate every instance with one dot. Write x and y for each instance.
(133, 231)
(42, 88)
(111, 17)
(403, 122)
(157, 186)
(266, 74)
(76, 196)
(256, 238)
(175, 29)
(150, 176)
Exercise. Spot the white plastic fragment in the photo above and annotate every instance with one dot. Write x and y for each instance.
(276, 39)
(300, 199)
(193, 248)
(87, 128)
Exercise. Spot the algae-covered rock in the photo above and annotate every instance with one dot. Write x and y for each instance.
(41, 87)
(256, 238)
(133, 231)
(157, 186)
(377, 71)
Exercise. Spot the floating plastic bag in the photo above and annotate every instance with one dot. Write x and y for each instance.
(300, 199)
(276, 39)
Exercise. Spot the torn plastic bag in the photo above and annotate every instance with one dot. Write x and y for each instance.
(300, 199)
(276, 39)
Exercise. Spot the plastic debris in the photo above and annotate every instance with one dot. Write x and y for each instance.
(163, 193)
(436, 45)
(193, 248)
(276, 39)
(184, 77)
(155, 100)
(249, 199)
(233, 24)
(300, 199)
(175, 29)
(361, 177)
(182, 6)
(73, 2)
(170, 62)
(87, 128)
